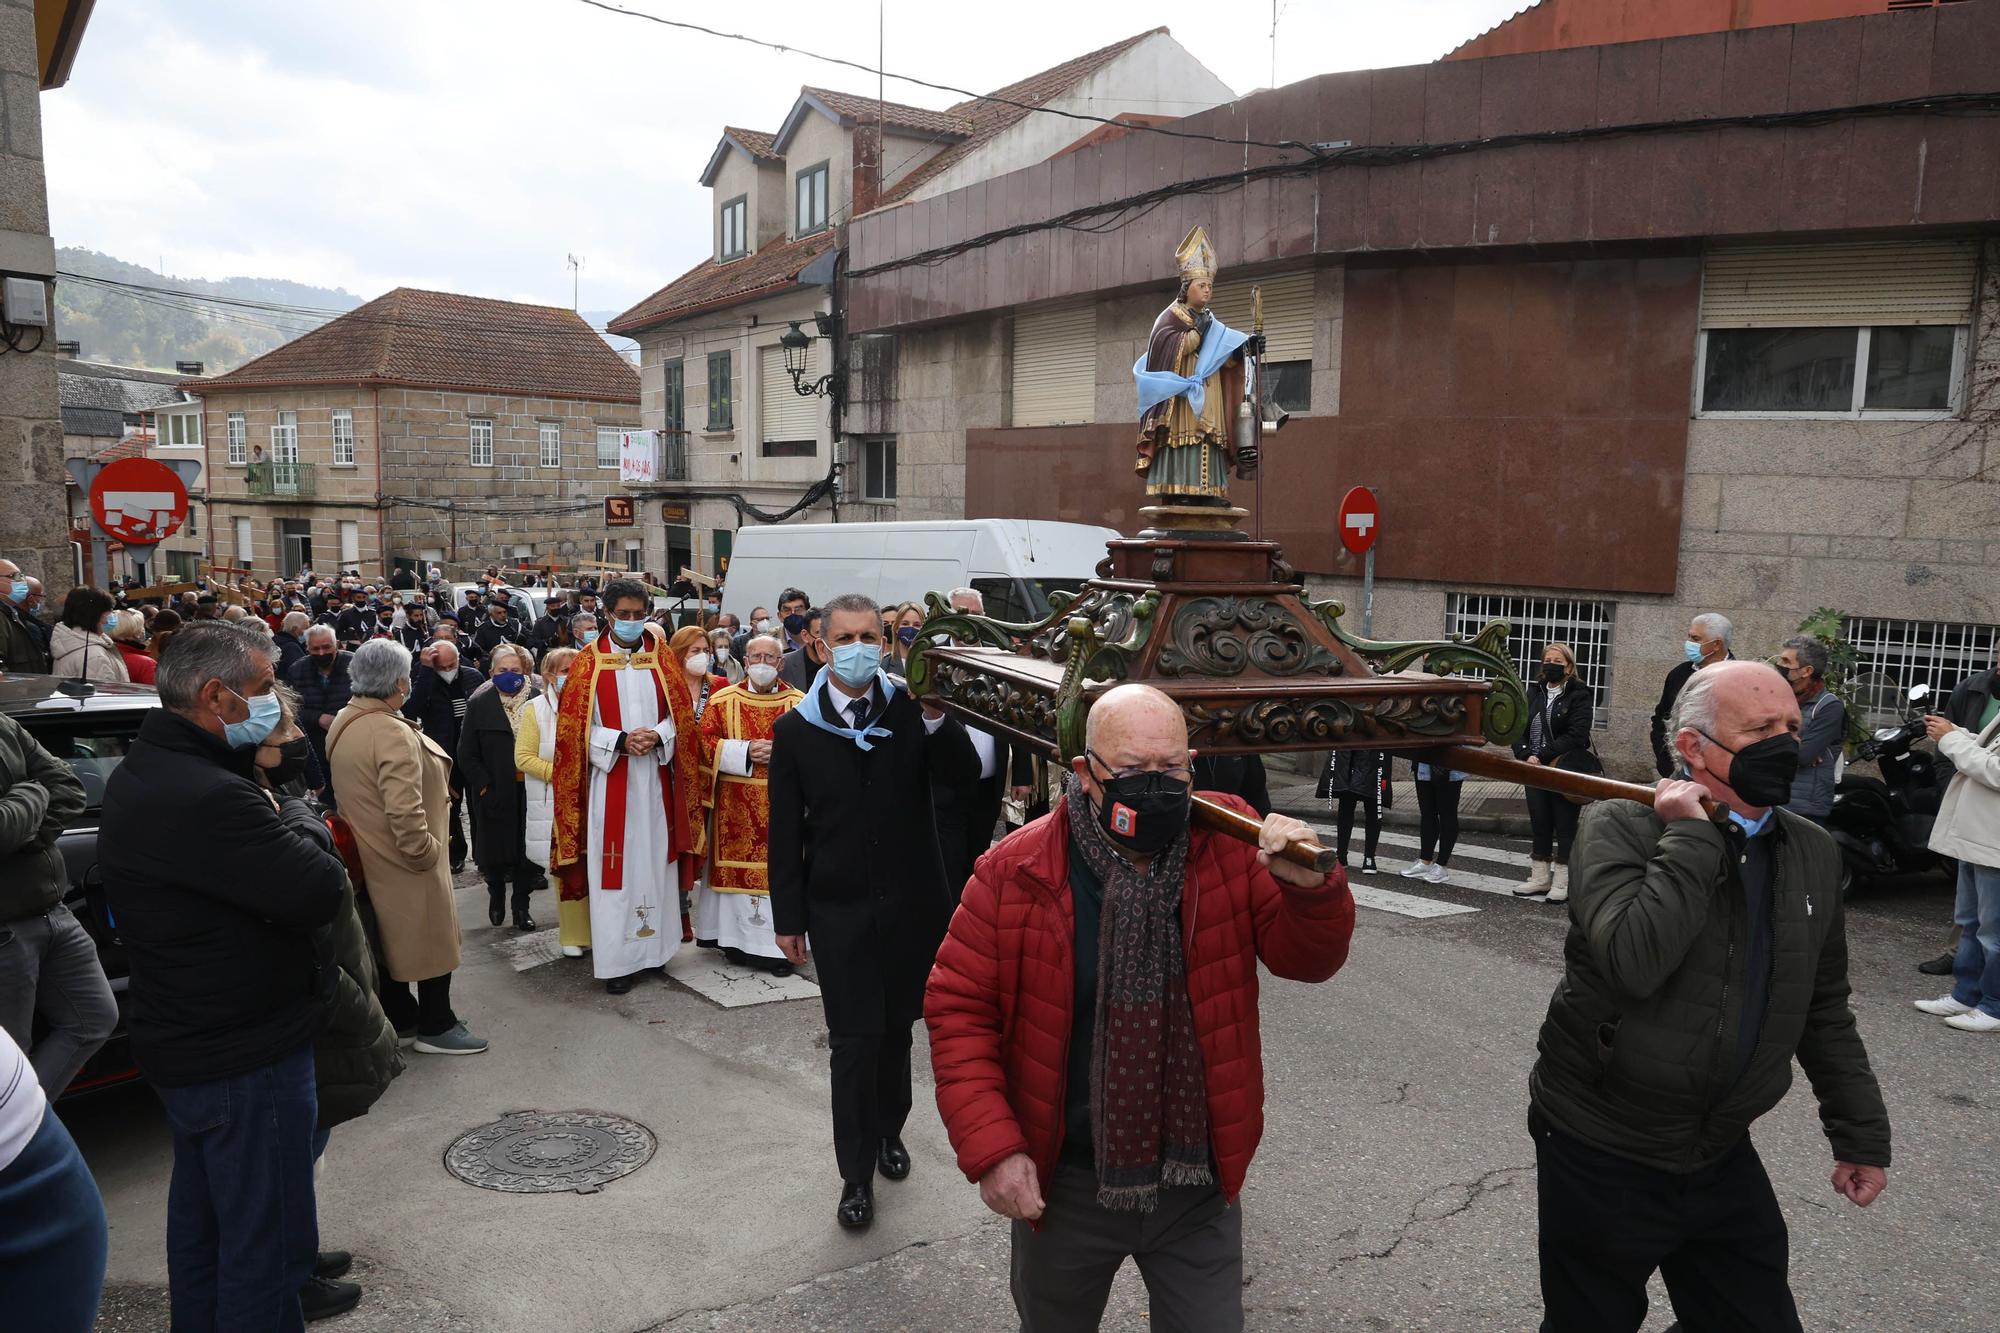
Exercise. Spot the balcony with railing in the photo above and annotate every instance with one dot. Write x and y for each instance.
(281, 480)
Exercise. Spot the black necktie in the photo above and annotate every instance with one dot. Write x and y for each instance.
(857, 713)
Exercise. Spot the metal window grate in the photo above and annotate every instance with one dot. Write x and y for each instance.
(1892, 655)
(1537, 622)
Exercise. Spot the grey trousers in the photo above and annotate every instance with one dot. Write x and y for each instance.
(1189, 1251)
(49, 965)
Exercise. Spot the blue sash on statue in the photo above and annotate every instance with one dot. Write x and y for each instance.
(809, 709)
(1156, 386)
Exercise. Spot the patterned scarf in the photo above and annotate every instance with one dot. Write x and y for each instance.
(1148, 1096)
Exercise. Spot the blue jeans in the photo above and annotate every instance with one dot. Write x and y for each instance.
(242, 1228)
(53, 1244)
(1976, 969)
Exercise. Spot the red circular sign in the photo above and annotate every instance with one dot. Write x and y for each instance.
(1360, 520)
(139, 501)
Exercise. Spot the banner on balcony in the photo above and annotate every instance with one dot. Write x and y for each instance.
(638, 455)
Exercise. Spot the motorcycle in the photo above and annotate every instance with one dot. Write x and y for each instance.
(1883, 825)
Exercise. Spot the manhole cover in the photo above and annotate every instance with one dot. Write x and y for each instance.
(550, 1152)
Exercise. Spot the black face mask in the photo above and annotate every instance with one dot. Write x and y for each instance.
(1553, 672)
(1762, 773)
(1143, 813)
(294, 763)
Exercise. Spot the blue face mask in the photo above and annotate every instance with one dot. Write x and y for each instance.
(265, 710)
(856, 663)
(628, 632)
(18, 592)
(509, 682)
(586, 638)
(1692, 650)
(110, 623)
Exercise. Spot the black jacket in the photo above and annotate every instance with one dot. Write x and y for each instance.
(319, 694)
(355, 1056)
(229, 969)
(1566, 728)
(968, 814)
(1359, 773)
(1969, 697)
(1663, 753)
(1238, 774)
(39, 795)
(798, 670)
(23, 650)
(430, 704)
(485, 756)
(354, 626)
(290, 650)
(487, 636)
(855, 860)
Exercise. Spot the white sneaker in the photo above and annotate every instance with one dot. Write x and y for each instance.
(1944, 1006)
(1417, 870)
(572, 951)
(1977, 1020)
(1437, 874)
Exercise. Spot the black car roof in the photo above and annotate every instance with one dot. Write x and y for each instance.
(22, 695)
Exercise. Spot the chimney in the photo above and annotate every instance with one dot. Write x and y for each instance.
(188, 367)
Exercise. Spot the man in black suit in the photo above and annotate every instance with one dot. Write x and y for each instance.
(967, 815)
(855, 862)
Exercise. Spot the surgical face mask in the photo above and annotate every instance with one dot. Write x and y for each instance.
(586, 637)
(722, 652)
(855, 664)
(1762, 773)
(1692, 650)
(265, 710)
(110, 623)
(761, 674)
(18, 590)
(292, 766)
(559, 683)
(628, 632)
(1143, 812)
(764, 625)
(509, 682)
(697, 664)
(448, 675)
(907, 635)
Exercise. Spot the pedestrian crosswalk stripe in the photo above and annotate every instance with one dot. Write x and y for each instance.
(1461, 878)
(1403, 904)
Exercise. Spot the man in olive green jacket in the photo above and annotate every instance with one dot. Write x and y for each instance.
(1703, 955)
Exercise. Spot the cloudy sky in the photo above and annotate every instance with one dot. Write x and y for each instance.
(470, 145)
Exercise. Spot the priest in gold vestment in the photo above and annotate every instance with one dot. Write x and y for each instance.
(732, 910)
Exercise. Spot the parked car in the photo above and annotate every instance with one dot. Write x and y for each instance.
(91, 733)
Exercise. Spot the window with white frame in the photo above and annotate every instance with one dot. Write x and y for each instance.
(734, 237)
(1537, 622)
(1869, 329)
(1892, 655)
(350, 543)
(811, 201)
(244, 550)
(285, 438)
(343, 437)
(551, 439)
(607, 445)
(482, 442)
(180, 430)
(239, 439)
(878, 469)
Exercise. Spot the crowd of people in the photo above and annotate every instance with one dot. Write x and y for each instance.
(347, 747)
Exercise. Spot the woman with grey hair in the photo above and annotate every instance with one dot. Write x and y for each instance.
(393, 784)
(128, 636)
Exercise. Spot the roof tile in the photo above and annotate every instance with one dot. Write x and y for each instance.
(710, 286)
(903, 116)
(755, 142)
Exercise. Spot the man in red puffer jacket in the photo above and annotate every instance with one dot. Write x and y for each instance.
(1093, 1025)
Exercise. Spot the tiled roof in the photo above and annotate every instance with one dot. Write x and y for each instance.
(866, 109)
(131, 447)
(710, 286)
(116, 388)
(755, 142)
(988, 118)
(101, 422)
(446, 341)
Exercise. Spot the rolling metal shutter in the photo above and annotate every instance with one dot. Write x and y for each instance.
(787, 414)
(1055, 366)
(1821, 286)
(1288, 312)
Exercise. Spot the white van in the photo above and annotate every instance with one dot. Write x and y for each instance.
(1014, 562)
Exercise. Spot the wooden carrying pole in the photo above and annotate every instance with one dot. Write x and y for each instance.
(1219, 818)
(1590, 786)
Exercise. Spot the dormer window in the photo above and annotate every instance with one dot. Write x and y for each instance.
(735, 214)
(810, 215)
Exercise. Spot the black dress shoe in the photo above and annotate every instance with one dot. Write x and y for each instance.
(782, 970)
(619, 985)
(323, 1298)
(892, 1159)
(496, 908)
(522, 921)
(332, 1263)
(1937, 967)
(857, 1206)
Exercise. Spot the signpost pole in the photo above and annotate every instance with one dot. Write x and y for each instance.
(1368, 594)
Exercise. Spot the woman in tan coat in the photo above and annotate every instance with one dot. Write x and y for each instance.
(393, 785)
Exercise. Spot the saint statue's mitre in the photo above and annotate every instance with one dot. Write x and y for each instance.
(1195, 256)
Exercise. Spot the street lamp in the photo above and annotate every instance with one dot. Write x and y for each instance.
(797, 345)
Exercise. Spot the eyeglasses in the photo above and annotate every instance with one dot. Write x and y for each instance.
(1154, 779)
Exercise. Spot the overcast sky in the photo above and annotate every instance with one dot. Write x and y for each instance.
(469, 145)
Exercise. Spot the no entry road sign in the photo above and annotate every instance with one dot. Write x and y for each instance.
(138, 501)
(1360, 520)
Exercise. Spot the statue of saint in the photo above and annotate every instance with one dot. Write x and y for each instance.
(1190, 383)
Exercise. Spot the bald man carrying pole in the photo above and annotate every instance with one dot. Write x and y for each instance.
(1703, 955)
(1093, 1023)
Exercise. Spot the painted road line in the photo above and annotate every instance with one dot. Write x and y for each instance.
(1460, 877)
(711, 976)
(1402, 904)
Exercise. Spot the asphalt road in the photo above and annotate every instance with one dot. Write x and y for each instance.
(1394, 1189)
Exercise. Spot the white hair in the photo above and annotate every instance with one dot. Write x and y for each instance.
(1694, 709)
(1716, 626)
(298, 621)
(317, 631)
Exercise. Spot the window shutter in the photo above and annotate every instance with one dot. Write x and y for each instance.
(1055, 366)
(787, 414)
(1288, 312)
(1821, 286)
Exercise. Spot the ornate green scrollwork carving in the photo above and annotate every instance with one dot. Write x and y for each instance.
(1220, 636)
(1325, 722)
(1506, 712)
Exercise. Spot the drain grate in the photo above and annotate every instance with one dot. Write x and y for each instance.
(550, 1152)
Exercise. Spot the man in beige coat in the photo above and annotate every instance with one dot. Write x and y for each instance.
(400, 810)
